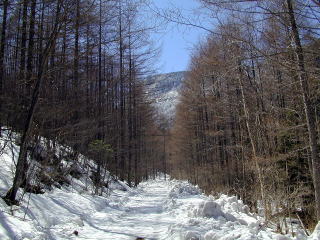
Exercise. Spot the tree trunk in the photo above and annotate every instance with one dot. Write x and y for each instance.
(22, 159)
(254, 151)
(303, 78)
(2, 47)
(31, 46)
(122, 102)
(23, 43)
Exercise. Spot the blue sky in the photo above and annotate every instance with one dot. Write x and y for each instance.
(177, 41)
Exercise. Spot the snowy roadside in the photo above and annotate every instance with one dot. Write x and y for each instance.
(156, 209)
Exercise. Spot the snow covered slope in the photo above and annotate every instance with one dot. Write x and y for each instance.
(164, 90)
(157, 209)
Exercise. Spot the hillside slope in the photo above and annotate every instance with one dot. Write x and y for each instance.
(164, 91)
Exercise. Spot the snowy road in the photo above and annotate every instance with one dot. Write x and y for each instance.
(172, 210)
(142, 215)
(156, 209)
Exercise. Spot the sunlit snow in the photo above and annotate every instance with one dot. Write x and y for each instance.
(156, 209)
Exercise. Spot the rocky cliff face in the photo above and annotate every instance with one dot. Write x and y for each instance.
(164, 91)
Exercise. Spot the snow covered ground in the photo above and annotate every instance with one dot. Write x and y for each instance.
(156, 209)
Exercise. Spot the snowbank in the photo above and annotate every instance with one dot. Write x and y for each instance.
(184, 189)
(208, 209)
(223, 218)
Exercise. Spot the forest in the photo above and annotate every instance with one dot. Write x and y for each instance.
(248, 118)
(70, 72)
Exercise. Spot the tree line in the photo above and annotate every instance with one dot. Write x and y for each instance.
(71, 71)
(248, 118)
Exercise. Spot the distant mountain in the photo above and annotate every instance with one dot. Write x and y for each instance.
(164, 90)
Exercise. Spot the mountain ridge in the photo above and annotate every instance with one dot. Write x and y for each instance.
(164, 92)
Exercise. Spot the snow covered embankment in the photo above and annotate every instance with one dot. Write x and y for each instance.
(223, 218)
(156, 209)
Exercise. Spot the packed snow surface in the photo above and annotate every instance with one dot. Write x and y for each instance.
(156, 209)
